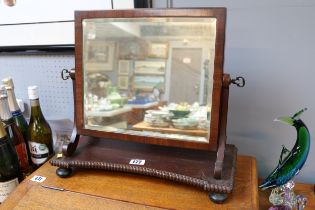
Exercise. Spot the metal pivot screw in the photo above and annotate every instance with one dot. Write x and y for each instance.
(238, 81)
(65, 74)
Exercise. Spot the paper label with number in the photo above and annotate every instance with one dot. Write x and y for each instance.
(137, 162)
(38, 179)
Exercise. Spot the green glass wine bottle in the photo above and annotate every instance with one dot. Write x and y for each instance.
(13, 132)
(39, 131)
(19, 119)
(9, 166)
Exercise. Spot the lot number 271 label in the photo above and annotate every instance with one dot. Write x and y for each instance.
(137, 162)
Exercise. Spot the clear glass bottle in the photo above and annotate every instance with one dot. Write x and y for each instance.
(39, 131)
(13, 132)
(9, 166)
(19, 119)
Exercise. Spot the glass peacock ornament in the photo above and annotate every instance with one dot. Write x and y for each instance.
(289, 165)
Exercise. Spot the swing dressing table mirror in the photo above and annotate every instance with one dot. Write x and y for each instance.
(151, 97)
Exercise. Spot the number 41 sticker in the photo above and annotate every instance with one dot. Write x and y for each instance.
(39, 179)
(137, 162)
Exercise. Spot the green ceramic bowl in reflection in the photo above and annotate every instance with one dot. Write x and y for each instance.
(120, 101)
(179, 113)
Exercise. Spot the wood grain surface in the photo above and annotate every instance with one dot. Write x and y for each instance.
(95, 189)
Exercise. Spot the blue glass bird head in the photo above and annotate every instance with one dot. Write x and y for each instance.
(291, 120)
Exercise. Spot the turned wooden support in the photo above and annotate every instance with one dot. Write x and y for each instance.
(218, 167)
(69, 149)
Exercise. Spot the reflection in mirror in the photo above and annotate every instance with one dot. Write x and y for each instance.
(149, 76)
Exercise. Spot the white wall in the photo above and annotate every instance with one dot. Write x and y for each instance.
(272, 44)
(30, 12)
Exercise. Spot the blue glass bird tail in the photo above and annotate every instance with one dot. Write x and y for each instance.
(267, 184)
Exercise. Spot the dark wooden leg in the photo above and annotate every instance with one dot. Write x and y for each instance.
(64, 172)
(69, 149)
(218, 197)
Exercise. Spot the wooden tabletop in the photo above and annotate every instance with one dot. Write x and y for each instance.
(95, 189)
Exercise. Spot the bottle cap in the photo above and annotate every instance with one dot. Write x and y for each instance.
(8, 82)
(32, 92)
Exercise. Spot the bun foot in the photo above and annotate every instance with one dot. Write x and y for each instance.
(218, 197)
(64, 172)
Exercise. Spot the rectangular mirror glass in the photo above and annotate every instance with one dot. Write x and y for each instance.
(149, 76)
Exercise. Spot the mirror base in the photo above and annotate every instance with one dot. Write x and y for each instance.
(152, 160)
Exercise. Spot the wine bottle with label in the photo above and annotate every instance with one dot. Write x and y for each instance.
(19, 119)
(13, 132)
(9, 166)
(39, 131)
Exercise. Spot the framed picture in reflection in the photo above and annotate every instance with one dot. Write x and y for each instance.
(132, 48)
(123, 82)
(123, 67)
(148, 83)
(100, 56)
(158, 50)
(150, 67)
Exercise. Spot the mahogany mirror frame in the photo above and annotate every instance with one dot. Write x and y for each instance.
(218, 13)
